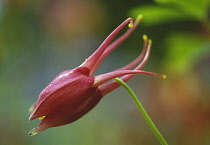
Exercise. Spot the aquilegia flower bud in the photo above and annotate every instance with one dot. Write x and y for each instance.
(75, 92)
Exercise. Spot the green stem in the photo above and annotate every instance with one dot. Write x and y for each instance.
(143, 112)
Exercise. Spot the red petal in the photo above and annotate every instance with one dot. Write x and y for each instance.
(66, 86)
(43, 94)
(69, 111)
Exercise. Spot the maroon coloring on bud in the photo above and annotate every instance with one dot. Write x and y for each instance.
(75, 92)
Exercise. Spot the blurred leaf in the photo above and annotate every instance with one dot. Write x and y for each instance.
(158, 15)
(184, 49)
(196, 8)
(172, 10)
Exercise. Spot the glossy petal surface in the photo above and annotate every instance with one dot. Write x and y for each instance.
(67, 86)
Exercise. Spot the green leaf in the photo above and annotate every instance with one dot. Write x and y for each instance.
(158, 15)
(184, 50)
(196, 8)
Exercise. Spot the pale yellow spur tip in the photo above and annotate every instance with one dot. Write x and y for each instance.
(145, 38)
(164, 76)
(150, 41)
(130, 24)
(140, 16)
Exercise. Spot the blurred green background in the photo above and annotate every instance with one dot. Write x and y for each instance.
(39, 39)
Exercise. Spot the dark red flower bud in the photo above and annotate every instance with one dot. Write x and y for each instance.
(75, 92)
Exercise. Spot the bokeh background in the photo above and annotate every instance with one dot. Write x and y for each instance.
(40, 38)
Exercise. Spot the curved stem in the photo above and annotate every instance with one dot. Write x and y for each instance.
(143, 112)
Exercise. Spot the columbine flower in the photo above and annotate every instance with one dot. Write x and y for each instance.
(75, 92)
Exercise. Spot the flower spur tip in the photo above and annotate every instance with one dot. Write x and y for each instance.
(150, 41)
(130, 25)
(164, 76)
(33, 132)
(145, 38)
(140, 16)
